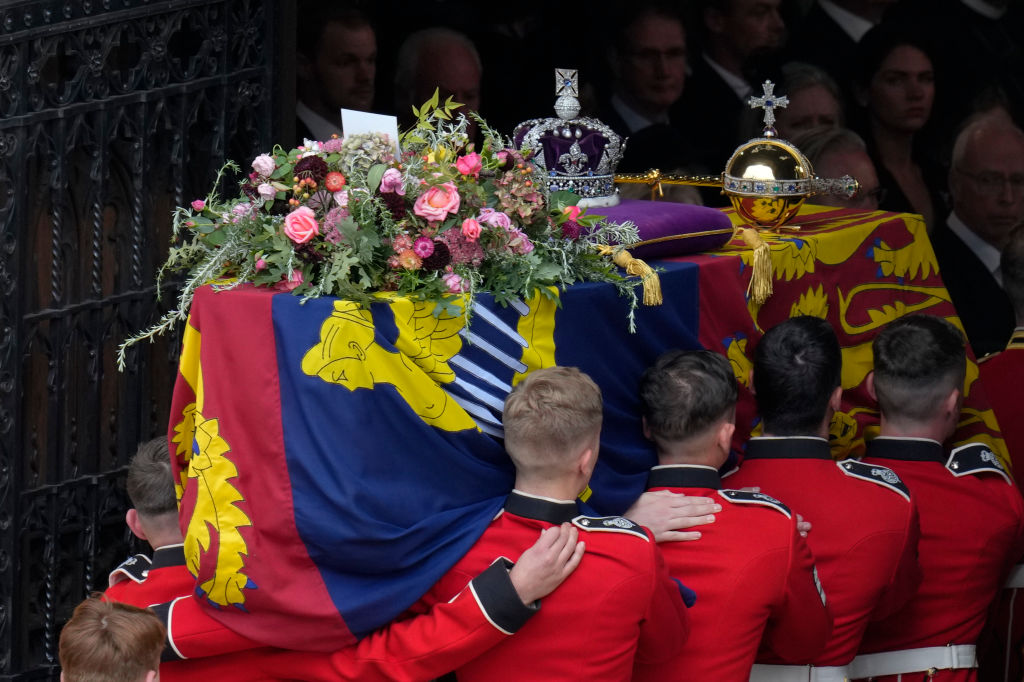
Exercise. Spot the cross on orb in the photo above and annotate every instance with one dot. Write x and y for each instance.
(768, 102)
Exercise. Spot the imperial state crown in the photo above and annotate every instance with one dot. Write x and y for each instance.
(577, 154)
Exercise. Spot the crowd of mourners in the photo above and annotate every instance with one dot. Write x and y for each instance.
(793, 566)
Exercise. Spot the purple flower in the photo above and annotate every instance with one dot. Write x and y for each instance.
(267, 191)
(392, 182)
(488, 216)
(571, 229)
(424, 246)
(264, 165)
(332, 145)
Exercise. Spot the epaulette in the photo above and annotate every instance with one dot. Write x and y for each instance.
(745, 497)
(975, 458)
(134, 567)
(877, 474)
(609, 524)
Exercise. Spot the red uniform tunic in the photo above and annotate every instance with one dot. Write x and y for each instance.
(863, 536)
(1002, 375)
(142, 582)
(972, 532)
(620, 603)
(754, 577)
(483, 614)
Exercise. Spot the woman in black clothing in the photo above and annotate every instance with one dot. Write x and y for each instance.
(896, 88)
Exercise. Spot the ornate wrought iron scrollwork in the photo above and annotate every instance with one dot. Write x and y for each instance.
(111, 113)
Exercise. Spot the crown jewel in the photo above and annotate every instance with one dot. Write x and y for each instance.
(577, 154)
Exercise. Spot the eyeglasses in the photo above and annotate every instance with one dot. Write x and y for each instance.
(991, 182)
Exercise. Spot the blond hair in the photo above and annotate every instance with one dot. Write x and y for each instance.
(110, 642)
(549, 416)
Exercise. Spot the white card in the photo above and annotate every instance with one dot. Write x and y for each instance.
(356, 122)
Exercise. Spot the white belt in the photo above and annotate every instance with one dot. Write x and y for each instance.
(952, 657)
(1016, 578)
(763, 672)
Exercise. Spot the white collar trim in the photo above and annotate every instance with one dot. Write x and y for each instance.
(321, 128)
(986, 253)
(852, 24)
(739, 86)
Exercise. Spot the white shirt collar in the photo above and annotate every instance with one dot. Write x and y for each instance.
(684, 466)
(321, 128)
(986, 253)
(985, 9)
(739, 86)
(541, 497)
(852, 24)
(633, 119)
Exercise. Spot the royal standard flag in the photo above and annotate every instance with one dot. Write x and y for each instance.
(335, 460)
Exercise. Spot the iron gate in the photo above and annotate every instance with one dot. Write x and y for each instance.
(111, 113)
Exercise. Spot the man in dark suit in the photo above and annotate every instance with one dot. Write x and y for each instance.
(739, 36)
(987, 185)
(828, 35)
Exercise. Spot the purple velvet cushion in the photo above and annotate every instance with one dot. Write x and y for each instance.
(658, 219)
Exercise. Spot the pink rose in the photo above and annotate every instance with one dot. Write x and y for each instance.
(392, 182)
(437, 202)
(198, 205)
(261, 264)
(341, 198)
(264, 165)
(488, 216)
(470, 164)
(518, 242)
(300, 225)
(572, 211)
(293, 281)
(453, 282)
(266, 191)
(470, 229)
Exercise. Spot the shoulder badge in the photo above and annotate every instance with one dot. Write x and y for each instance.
(975, 458)
(877, 474)
(135, 568)
(609, 524)
(744, 497)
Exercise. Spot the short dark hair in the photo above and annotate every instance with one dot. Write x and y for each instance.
(797, 366)
(919, 359)
(685, 392)
(315, 15)
(1011, 264)
(626, 15)
(879, 42)
(151, 481)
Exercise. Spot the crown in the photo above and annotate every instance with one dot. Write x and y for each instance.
(578, 155)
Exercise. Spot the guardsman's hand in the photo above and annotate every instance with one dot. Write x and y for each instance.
(546, 564)
(668, 514)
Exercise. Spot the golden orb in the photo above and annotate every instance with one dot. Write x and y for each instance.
(767, 180)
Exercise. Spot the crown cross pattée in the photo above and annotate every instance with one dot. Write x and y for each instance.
(769, 102)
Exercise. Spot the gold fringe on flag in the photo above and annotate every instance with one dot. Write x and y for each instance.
(760, 287)
(636, 268)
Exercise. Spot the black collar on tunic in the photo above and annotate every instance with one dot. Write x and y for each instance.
(787, 448)
(683, 476)
(540, 509)
(169, 555)
(906, 449)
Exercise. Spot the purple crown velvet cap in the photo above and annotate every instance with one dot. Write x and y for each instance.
(577, 155)
(671, 222)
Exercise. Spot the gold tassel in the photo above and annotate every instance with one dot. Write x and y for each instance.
(637, 268)
(760, 287)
